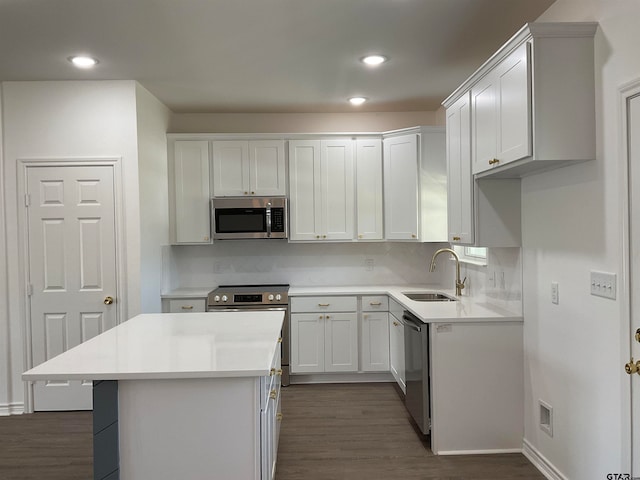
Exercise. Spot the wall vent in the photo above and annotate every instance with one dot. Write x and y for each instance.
(546, 418)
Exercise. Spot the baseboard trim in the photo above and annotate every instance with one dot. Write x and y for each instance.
(16, 408)
(540, 462)
(340, 378)
(480, 452)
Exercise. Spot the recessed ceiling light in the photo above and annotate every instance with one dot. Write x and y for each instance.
(357, 100)
(374, 60)
(82, 61)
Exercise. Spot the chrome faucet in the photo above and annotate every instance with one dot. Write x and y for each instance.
(432, 268)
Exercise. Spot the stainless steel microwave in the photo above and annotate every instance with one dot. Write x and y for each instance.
(249, 217)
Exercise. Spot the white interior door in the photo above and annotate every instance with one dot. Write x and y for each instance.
(72, 269)
(633, 145)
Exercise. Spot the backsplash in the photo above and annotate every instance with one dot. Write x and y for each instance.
(265, 261)
(498, 283)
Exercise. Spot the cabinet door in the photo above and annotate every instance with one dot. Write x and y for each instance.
(267, 168)
(304, 186)
(514, 106)
(460, 181)
(341, 342)
(230, 168)
(375, 342)
(191, 188)
(484, 124)
(307, 343)
(401, 187)
(338, 193)
(369, 189)
(396, 351)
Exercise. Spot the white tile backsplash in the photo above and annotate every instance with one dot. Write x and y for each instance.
(264, 261)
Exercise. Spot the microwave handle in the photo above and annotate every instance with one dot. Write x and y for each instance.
(268, 219)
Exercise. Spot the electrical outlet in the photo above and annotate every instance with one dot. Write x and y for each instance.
(603, 284)
(555, 298)
(369, 264)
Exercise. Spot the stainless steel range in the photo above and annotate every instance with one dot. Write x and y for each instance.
(237, 298)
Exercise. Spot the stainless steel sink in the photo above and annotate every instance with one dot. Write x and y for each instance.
(429, 297)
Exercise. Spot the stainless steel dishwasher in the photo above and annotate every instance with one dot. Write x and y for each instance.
(416, 354)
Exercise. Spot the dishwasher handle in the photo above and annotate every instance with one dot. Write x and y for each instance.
(407, 321)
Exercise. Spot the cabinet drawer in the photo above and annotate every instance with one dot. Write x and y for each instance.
(375, 303)
(187, 305)
(395, 308)
(324, 304)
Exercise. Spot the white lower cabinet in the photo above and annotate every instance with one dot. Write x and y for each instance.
(374, 333)
(270, 418)
(324, 338)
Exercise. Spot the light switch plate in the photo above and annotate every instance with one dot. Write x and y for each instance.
(603, 284)
(555, 298)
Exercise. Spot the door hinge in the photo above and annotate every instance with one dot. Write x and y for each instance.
(27, 200)
(29, 289)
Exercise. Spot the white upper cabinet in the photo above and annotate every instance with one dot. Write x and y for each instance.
(246, 168)
(369, 189)
(529, 111)
(460, 184)
(322, 191)
(190, 193)
(415, 186)
(501, 121)
(401, 187)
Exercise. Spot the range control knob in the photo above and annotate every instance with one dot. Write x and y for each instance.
(216, 298)
(224, 298)
(278, 297)
(270, 297)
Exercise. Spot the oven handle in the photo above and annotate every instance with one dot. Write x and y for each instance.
(247, 308)
(268, 219)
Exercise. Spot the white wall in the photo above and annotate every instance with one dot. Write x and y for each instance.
(152, 124)
(57, 120)
(571, 225)
(301, 122)
(255, 261)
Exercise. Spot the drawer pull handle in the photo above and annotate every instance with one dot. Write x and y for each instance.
(187, 307)
(273, 394)
(456, 239)
(375, 304)
(324, 304)
(396, 324)
(494, 161)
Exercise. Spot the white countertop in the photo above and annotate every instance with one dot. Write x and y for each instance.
(188, 292)
(172, 345)
(464, 310)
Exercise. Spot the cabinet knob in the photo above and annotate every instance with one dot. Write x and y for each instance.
(279, 372)
(396, 324)
(328, 316)
(317, 236)
(272, 372)
(413, 235)
(456, 239)
(273, 394)
(279, 416)
(494, 161)
(324, 236)
(253, 193)
(359, 236)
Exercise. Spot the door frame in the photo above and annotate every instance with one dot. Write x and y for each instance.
(625, 93)
(23, 165)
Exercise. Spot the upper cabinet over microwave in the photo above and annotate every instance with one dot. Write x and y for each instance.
(532, 104)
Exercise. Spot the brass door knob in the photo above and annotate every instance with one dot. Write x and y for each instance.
(108, 300)
(632, 367)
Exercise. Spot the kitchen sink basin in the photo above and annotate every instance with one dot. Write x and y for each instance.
(428, 297)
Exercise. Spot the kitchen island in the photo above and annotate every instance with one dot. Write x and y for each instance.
(187, 396)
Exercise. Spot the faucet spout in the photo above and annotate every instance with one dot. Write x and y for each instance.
(432, 267)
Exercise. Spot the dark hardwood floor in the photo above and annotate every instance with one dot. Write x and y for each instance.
(343, 431)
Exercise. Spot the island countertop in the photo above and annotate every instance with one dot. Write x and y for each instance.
(171, 346)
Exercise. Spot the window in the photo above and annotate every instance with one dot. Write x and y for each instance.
(474, 255)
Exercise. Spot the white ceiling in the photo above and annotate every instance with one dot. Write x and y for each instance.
(263, 55)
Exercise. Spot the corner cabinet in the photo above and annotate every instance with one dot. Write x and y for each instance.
(415, 185)
(190, 192)
(521, 113)
(248, 168)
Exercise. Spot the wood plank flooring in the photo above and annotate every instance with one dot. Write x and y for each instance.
(341, 431)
